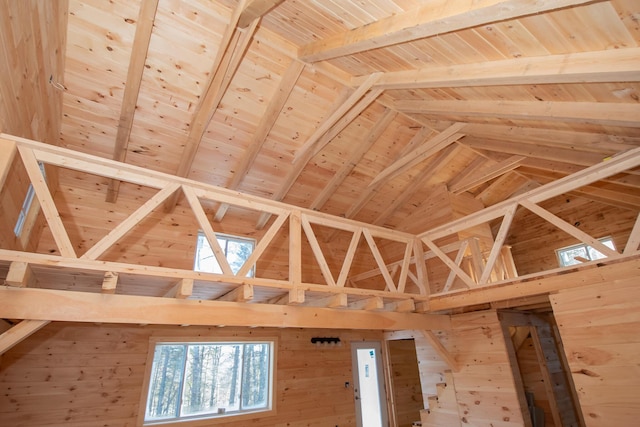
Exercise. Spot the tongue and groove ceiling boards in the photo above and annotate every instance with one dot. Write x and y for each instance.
(357, 108)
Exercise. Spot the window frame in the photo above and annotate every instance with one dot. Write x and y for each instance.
(586, 246)
(208, 419)
(228, 238)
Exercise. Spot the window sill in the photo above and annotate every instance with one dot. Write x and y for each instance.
(218, 419)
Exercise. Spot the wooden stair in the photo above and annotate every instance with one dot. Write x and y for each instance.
(443, 407)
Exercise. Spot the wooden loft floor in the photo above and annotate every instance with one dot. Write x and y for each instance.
(400, 293)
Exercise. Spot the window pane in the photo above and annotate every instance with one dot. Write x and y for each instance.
(237, 253)
(567, 256)
(165, 383)
(255, 383)
(205, 259)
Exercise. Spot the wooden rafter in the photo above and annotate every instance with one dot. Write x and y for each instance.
(362, 148)
(599, 113)
(439, 161)
(426, 150)
(230, 54)
(367, 194)
(255, 9)
(459, 257)
(333, 118)
(609, 193)
(144, 28)
(584, 67)
(422, 22)
(267, 121)
(622, 162)
(334, 124)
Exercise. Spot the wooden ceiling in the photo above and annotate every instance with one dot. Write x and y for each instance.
(357, 108)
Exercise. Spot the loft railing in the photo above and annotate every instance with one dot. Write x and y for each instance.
(404, 281)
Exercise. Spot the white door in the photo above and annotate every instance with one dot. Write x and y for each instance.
(368, 384)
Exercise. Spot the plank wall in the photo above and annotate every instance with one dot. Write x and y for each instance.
(81, 375)
(33, 36)
(533, 240)
(484, 384)
(599, 329)
(407, 392)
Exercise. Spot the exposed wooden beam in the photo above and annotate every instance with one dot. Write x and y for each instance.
(255, 9)
(602, 192)
(333, 118)
(333, 124)
(602, 271)
(487, 174)
(367, 194)
(594, 173)
(207, 229)
(362, 148)
(569, 228)
(19, 332)
(20, 303)
(496, 249)
(267, 121)
(426, 150)
(181, 290)
(599, 113)
(587, 141)
(422, 22)
(20, 275)
(419, 181)
(47, 204)
(468, 281)
(230, 54)
(537, 151)
(139, 50)
(125, 226)
(585, 67)
(7, 156)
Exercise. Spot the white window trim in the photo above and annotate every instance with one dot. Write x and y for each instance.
(207, 420)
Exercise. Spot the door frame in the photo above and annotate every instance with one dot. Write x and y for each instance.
(377, 346)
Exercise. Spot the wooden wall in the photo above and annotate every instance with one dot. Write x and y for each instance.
(533, 240)
(32, 36)
(82, 375)
(407, 391)
(484, 384)
(599, 329)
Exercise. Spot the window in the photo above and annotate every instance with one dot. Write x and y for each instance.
(236, 249)
(206, 380)
(26, 206)
(577, 254)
